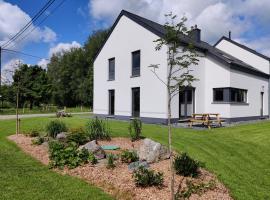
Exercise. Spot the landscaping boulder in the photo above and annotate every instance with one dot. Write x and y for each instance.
(151, 151)
(61, 136)
(94, 148)
(135, 165)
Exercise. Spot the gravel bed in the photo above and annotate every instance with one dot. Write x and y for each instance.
(118, 182)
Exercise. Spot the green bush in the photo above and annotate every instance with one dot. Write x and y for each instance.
(146, 177)
(135, 129)
(97, 129)
(110, 161)
(54, 127)
(34, 133)
(186, 166)
(92, 159)
(38, 141)
(66, 154)
(78, 136)
(129, 156)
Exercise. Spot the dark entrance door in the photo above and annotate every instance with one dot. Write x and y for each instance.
(136, 102)
(186, 102)
(111, 102)
(261, 104)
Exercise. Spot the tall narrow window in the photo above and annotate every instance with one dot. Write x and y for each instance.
(136, 102)
(111, 69)
(111, 102)
(136, 63)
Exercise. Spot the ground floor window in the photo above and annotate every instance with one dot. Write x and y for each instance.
(111, 102)
(135, 102)
(230, 95)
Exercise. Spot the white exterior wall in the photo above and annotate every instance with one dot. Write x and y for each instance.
(254, 86)
(217, 75)
(127, 37)
(244, 55)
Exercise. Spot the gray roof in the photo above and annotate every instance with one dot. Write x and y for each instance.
(159, 30)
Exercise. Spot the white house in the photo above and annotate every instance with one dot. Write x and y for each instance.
(233, 79)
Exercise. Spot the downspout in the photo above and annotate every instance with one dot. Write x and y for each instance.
(269, 92)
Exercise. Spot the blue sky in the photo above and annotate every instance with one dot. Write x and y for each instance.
(75, 20)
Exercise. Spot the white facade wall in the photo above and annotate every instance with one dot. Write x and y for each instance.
(127, 37)
(254, 86)
(244, 55)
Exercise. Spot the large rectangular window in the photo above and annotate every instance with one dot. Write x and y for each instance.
(111, 69)
(230, 95)
(136, 63)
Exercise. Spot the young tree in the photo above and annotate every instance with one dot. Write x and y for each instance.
(181, 56)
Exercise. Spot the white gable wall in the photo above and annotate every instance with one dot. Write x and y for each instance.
(244, 55)
(127, 37)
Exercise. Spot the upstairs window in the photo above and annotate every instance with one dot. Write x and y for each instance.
(136, 63)
(230, 95)
(111, 69)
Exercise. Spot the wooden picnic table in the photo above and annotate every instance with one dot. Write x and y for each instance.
(206, 119)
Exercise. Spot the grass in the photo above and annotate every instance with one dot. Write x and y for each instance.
(238, 155)
(22, 177)
(38, 110)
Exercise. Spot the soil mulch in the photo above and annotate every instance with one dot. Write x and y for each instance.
(118, 181)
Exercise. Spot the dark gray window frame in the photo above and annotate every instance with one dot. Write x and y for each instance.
(135, 71)
(227, 92)
(111, 73)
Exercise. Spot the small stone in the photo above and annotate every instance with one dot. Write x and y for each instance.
(151, 151)
(135, 165)
(94, 148)
(61, 136)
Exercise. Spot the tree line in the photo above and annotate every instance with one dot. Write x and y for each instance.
(68, 80)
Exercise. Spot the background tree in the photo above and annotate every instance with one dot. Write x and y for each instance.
(180, 58)
(71, 73)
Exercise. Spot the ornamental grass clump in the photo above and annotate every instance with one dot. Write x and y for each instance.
(135, 129)
(79, 136)
(110, 161)
(54, 127)
(98, 129)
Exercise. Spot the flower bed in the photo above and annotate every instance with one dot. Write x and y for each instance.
(118, 181)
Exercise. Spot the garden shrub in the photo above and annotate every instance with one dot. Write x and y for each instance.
(34, 133)
(129, 156)
(192, 188)
(38, 141)
(186, 166)
(146, 177)
(66, 154)
(92, 159)
(110, 161)
(135, 129)
(97, 129)
(54, 127)
(78, 136)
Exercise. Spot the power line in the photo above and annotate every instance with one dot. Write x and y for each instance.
(22, 53)
(40, 12)
(50, 13)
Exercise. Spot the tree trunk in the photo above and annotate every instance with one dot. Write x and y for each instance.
(170, 146)
(17, 112)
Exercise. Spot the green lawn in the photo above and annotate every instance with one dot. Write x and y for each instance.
(239, 156)
(22, 177)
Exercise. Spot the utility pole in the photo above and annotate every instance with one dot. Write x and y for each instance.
(17, 105)
(1, 96)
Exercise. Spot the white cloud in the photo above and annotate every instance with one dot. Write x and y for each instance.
(43, 63)
(63, 47)
(214, 17)
(13, 19)
(8, 70)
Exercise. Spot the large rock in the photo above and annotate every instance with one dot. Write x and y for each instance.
(94, 148)
(151, 151)
(61, 136)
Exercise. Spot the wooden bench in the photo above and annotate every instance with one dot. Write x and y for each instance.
(206, 119)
